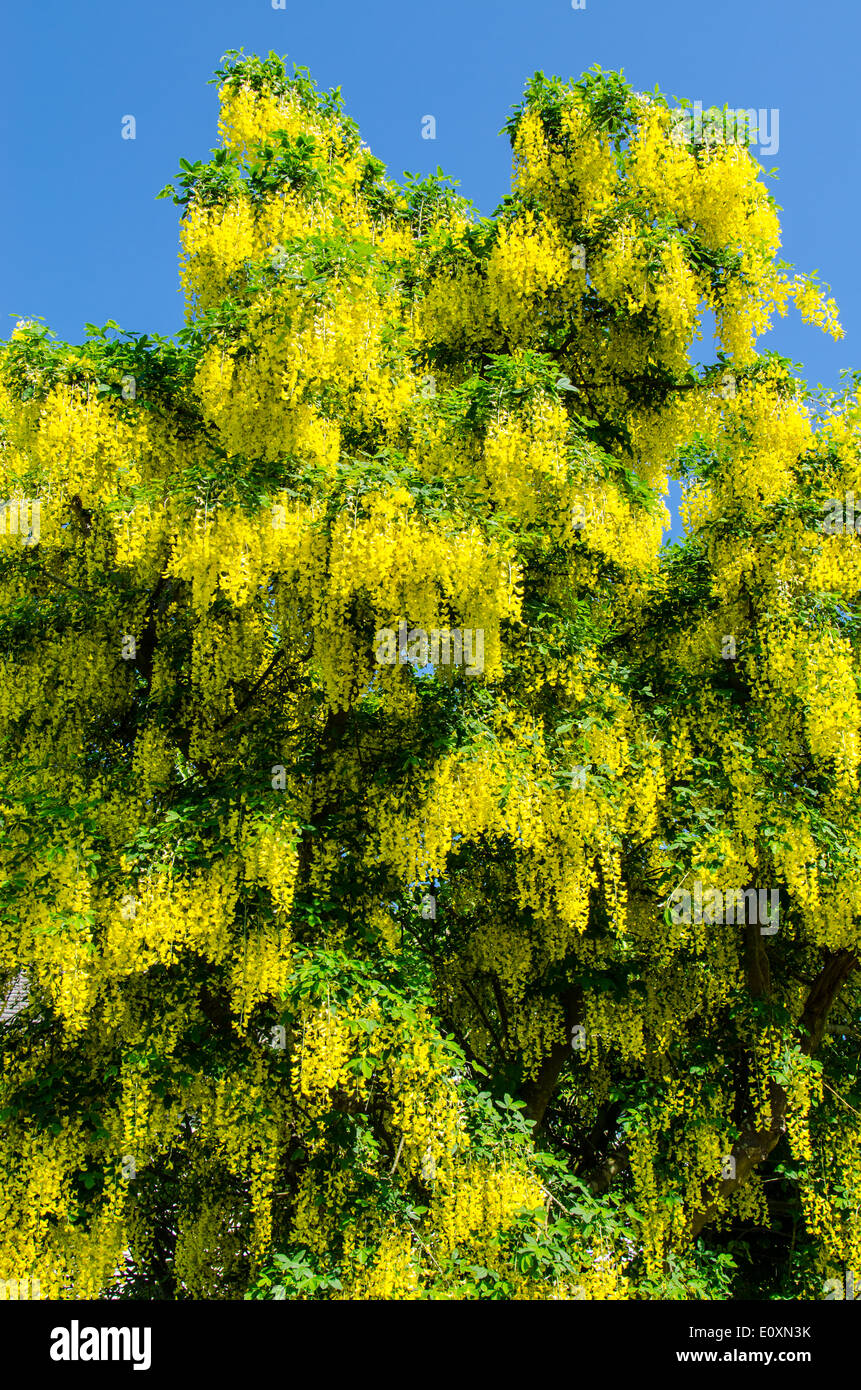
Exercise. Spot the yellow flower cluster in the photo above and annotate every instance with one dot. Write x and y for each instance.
(172, 913)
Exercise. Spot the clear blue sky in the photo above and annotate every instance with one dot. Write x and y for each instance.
(83, 239)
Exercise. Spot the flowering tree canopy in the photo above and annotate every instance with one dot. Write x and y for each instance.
(345, 964)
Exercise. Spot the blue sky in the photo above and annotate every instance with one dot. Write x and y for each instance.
(84, 240)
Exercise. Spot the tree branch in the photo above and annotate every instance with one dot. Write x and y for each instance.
(755, 1144)
(225, 723)
(537, 1093)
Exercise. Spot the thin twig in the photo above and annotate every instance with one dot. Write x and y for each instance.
(279, 656)
(840, 1098)
(422, 1244)
(398, 1155)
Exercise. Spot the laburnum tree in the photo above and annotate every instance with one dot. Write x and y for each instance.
(332, 977)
